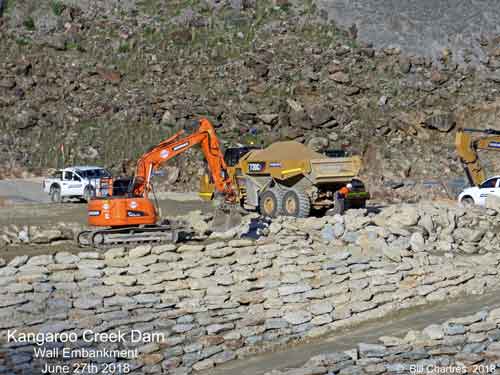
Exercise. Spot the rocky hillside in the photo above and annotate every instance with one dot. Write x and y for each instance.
(107, 79)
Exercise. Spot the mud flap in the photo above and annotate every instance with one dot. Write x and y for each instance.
(226, 217)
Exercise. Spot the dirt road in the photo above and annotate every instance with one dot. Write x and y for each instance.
(23, 191)
(26, 203)
(48, 213)
(397, 324)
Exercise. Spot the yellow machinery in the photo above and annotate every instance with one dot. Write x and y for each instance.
(467, 147)
(289, 179)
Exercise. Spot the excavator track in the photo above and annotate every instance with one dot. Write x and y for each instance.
(107, 237)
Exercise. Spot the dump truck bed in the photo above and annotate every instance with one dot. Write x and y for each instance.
(335, 169)
(284, 160)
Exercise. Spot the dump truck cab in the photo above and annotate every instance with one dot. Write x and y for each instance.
(232, 156)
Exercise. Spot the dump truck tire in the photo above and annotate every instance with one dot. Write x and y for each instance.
(270, 202)
(296, 203)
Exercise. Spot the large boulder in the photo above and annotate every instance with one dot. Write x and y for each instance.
(404, 215)
(493, 202)
(319, 114)
(468, 234)
(318, 144)
(3, 242)
(443, 122)
(300, 119)
(47, 236)
(198, 221)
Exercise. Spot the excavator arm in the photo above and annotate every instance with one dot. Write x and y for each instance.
(467, 147)
(205, 136)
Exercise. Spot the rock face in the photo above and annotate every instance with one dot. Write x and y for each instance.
(423, 29)
(220, 300)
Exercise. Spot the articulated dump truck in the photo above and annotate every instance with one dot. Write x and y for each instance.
(289, 179)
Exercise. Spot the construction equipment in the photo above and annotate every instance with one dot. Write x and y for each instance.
(133, 217)
(289, 179)
(467, 147)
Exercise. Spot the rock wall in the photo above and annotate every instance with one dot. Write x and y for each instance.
(424, 27)
(467, 345)
(217, 301)
(37, 235)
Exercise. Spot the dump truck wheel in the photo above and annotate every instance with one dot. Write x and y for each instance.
(270, 202)
(296, 203)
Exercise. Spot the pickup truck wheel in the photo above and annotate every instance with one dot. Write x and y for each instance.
(296, 203)
(270, 202)
(55, 194)
(88, 193)
(467, 201)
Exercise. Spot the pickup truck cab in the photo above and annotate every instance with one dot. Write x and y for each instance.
(75, 182)
(477, 194)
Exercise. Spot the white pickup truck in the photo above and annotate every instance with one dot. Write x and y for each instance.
(477, 194)
(76, 182)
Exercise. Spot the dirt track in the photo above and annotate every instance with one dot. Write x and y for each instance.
(47, 213)
(26, 203)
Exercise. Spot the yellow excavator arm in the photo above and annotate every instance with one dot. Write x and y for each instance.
(467, 147)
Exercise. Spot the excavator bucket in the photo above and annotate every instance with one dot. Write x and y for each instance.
(226, 217)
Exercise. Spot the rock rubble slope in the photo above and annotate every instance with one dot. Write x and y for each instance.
(107, 79)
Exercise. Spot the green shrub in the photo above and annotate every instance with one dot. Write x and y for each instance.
(57, 7)
(29, 23)
(22, 41)
(124, 48)
(75, 45)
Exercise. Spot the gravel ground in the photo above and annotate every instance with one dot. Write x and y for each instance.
(23, 191)
(26, 204)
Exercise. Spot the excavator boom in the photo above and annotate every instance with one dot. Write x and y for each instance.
(467, 147)
(170, 148)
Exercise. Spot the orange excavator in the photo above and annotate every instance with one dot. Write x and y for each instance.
(132, 217)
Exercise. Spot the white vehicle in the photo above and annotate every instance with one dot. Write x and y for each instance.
(477, 194)
(76, 182)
